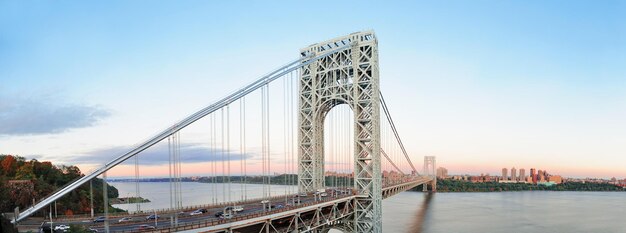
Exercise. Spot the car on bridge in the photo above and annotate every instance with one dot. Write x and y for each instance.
(145, 227)
(321, 193)
(61, 228)
(125, 219)
(236, 208)
(99, 219)
(219, 214)
(153, 217)
(198, 211)
(226, 216)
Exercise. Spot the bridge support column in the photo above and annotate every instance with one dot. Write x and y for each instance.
(429, 170)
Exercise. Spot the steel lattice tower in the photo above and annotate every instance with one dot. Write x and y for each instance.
(347, 77)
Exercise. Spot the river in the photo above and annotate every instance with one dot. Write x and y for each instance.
(414, 212)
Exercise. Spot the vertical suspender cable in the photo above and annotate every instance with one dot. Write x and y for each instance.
(137, 194)
(267, 118)
(331, 144)
(180, 172)
(291, 129)
(214, 163)
(223, 162)
(339, 131)
(350, 156)
(340, 139)
(293, 139)
(228, 150)
(245, 164)
(215, 151)
(212, 168)
(342, 131)
(331, 151)
(241, 147)
(175, 173)
(263, 141)
(169, 152)
(285, 133)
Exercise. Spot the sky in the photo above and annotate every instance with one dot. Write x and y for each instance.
(482, 85)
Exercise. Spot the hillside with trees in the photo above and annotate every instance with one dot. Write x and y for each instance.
(464, 186)
(24, 181)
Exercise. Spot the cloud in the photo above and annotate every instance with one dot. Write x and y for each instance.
(156, 155)
(45, 115)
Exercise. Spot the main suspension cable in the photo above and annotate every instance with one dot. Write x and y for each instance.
(395, 132)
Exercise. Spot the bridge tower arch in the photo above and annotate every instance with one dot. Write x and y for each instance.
(350, 77)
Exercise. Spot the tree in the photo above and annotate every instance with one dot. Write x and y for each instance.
(8, 165)
(25, 172)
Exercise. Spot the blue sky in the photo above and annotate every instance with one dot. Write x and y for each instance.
(480, 84)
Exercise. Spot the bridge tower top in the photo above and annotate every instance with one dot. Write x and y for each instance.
(430, 166)
(356, 37)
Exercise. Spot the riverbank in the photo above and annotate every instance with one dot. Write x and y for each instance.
(465, 186)
(127, 200)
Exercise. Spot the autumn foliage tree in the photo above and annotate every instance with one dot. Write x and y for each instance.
(9, 165)
(22, 181)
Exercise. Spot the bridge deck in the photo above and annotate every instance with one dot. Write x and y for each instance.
(286, 215)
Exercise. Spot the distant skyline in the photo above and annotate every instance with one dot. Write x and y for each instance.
(480, 84)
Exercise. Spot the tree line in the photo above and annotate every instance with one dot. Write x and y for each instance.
(465, 186)
(23, 182)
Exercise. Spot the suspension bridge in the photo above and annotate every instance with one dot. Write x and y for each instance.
(312, 126)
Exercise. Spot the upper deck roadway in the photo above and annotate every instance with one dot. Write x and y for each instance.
(286, 214)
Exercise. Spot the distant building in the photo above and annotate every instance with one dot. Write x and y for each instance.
(392, 175)
(513, 174)
(504, 174)
(541, 176)
(533, 175)
(522, 174)
(442, 173)
(556, 179)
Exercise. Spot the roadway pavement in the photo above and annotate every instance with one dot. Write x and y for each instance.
(184, 216)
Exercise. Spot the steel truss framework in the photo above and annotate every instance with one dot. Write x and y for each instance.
(320, 217)
(346, 77)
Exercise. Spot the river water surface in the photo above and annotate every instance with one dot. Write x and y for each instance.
(414, 212)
